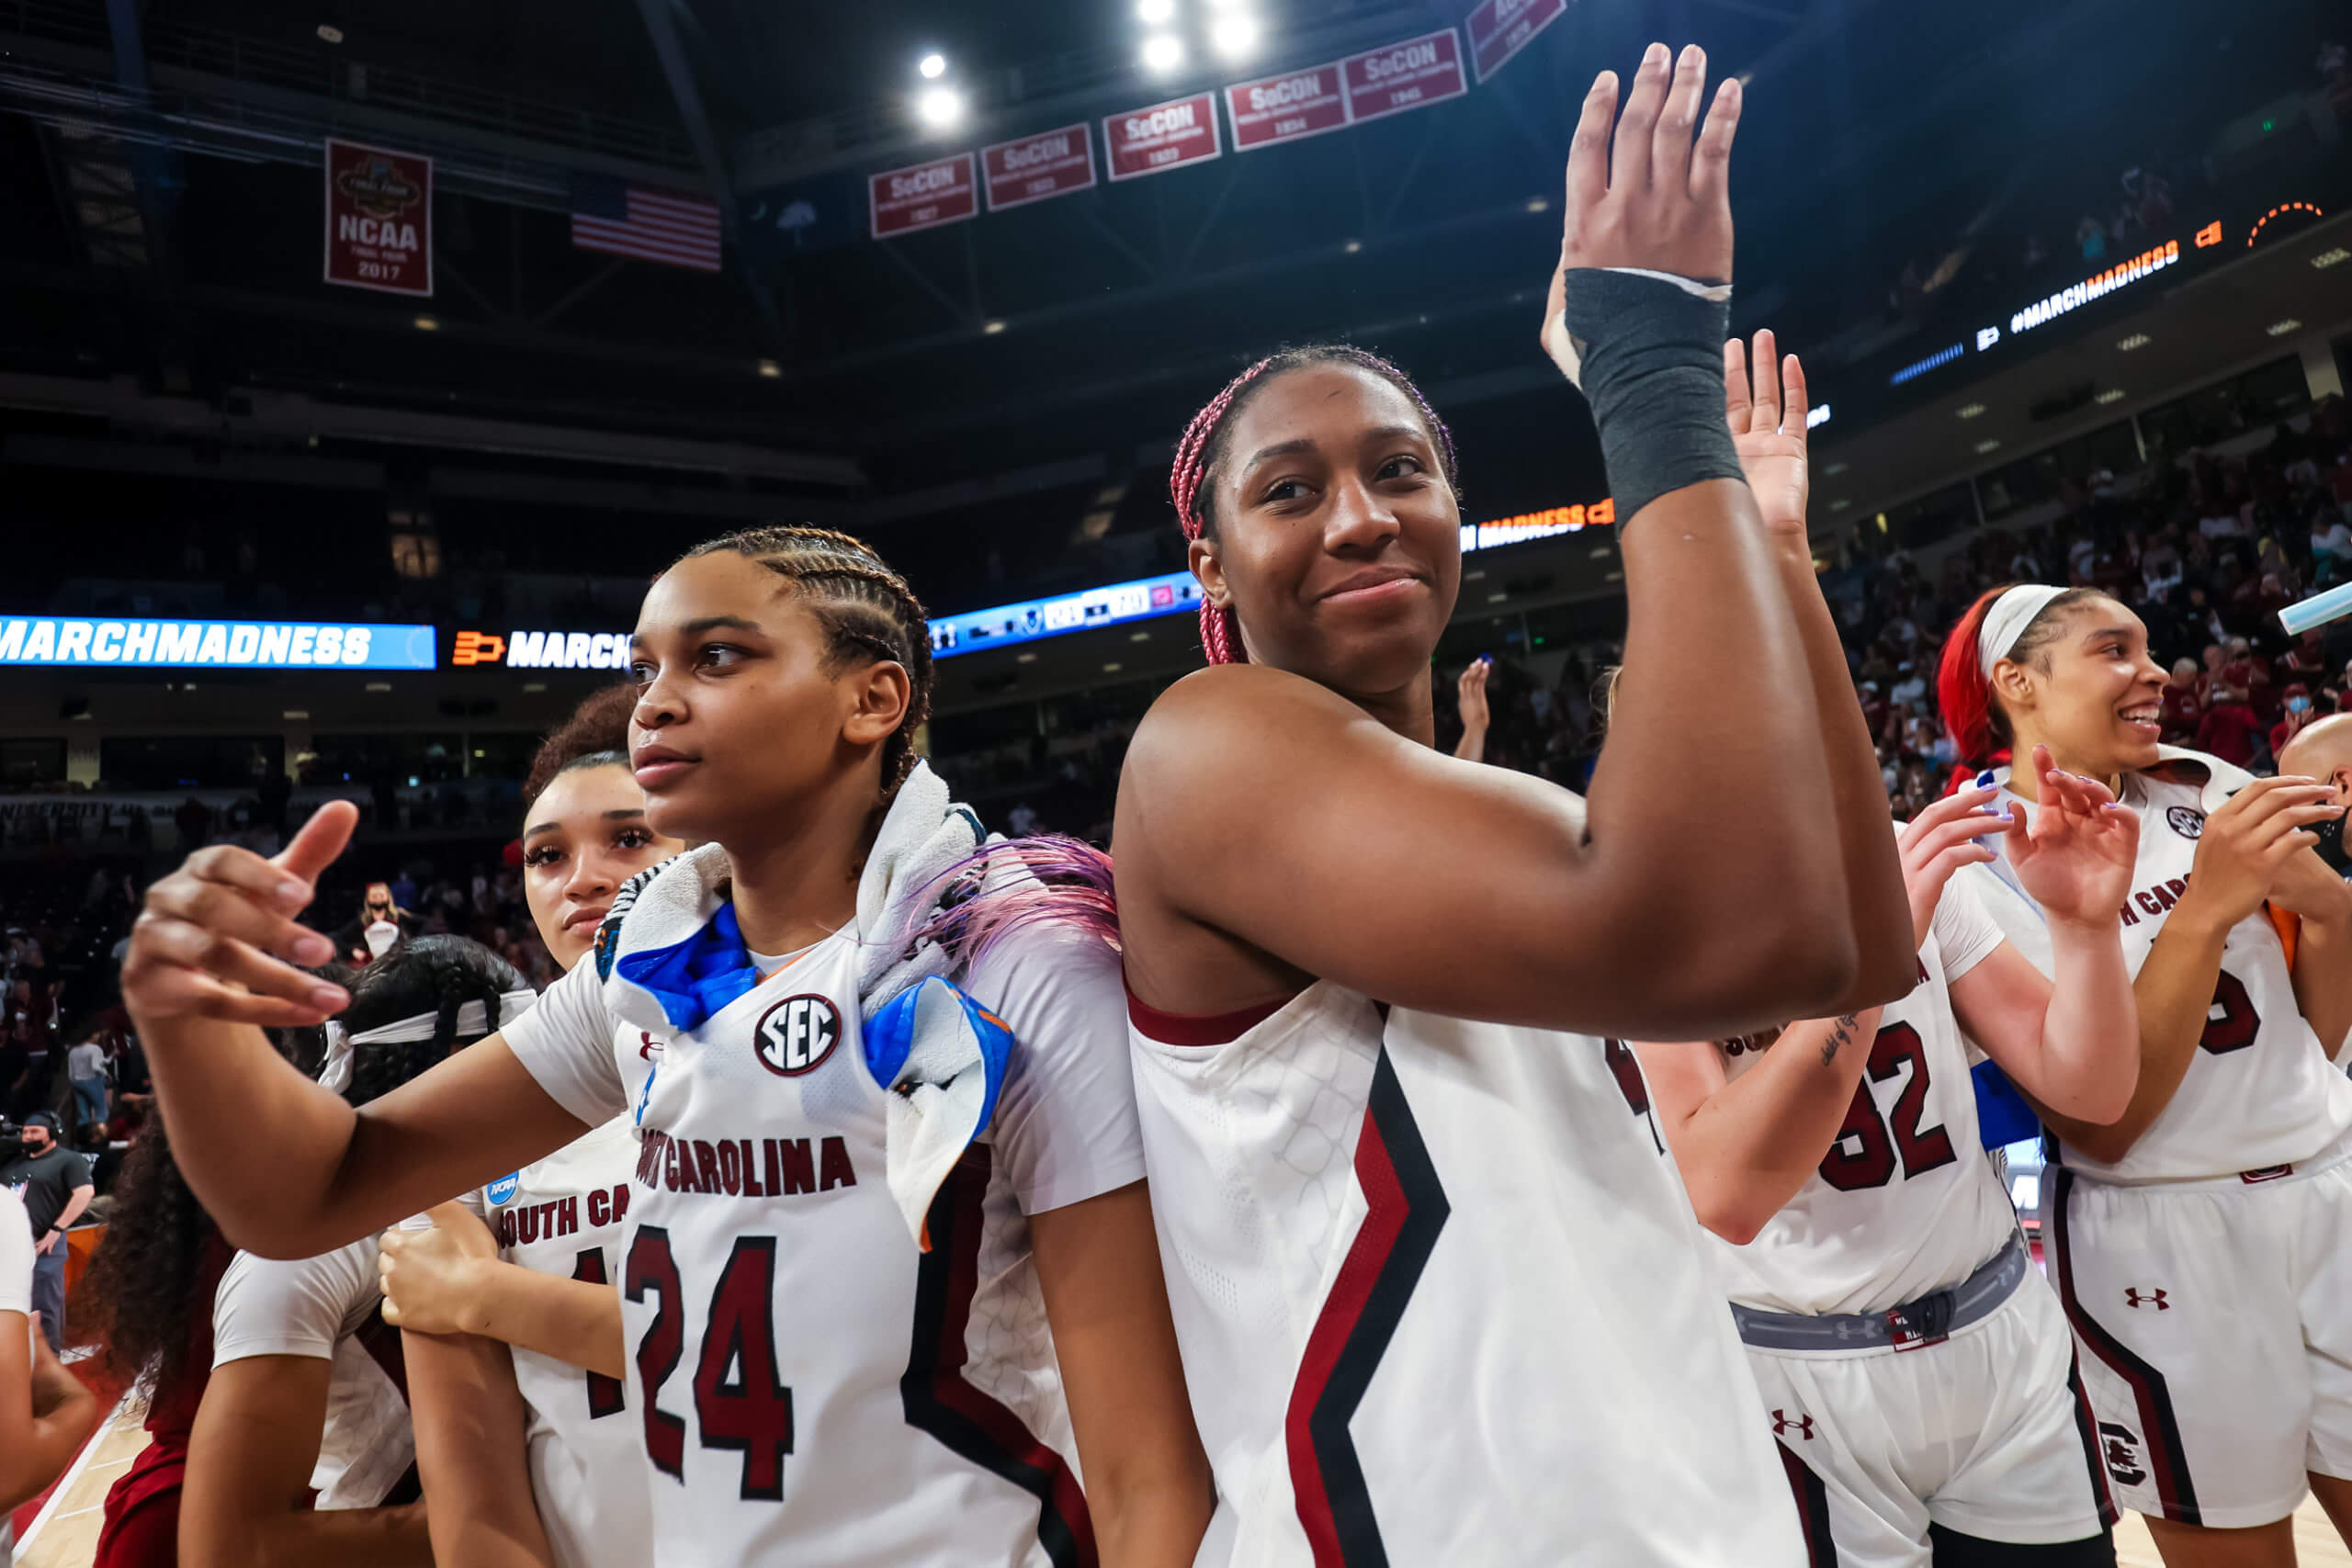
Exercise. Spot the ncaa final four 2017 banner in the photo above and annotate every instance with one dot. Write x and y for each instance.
(379, 220)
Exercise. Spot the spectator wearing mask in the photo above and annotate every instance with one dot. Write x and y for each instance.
(2300, 713)
(54, 1183)
(380, 923)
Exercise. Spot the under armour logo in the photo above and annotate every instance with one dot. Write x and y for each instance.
(1782, 1424)
(2134, 1296)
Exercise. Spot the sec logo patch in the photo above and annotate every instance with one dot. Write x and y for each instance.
(797, 1034)
(2186, 821)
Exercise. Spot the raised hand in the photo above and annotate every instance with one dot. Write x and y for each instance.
(1470, 693)
(217, 938)
(2253, 837)
(1653, 197)
(1768, 426)
(2075, 858)
(1939, 841)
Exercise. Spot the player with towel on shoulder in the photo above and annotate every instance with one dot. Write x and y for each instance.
(888, 1275)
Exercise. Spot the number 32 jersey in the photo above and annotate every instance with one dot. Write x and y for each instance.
(814, 1389)
(1904, 1202)
(2260, 1092)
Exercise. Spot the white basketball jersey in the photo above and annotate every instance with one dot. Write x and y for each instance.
(2260, 1092)
(330, 1308)
(1443, 1299)
(564, 1216)
(1904, 1202)
(811, 1387)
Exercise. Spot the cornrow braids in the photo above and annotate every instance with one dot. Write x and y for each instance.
(866, 609)
(1203, 447)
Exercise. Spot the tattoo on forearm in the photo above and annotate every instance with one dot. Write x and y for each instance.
(1841, 1034)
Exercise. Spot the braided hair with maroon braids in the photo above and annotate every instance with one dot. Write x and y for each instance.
(866, 609)
(1190, 483)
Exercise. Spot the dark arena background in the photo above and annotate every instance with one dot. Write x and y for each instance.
(361, 362)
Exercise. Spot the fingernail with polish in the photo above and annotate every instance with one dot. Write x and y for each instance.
(327, 997)
(314, 950)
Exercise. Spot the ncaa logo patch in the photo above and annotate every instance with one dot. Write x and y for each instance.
(797, 1034)
(2186, 821)
(502, 1190)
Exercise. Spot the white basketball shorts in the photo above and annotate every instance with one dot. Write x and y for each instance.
(2215, 1324)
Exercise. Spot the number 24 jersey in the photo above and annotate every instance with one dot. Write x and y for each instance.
(813, 1387)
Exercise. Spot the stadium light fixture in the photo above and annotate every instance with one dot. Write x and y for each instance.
(1972, 411)
(2137, 340)
(1024, 659)
(940, 108)
(330, 33)
(295, 713)
(379, 685)
(2329, 257)
(1834, 470)
(1840, 505)
(2112, 394)
(994, 326)
(1112, 668)
(1539, 204)
(1985, 447)
(1162, 53)
(933, 66)
(2280, 328)
(1155, 13)
(1352, 247)
(428, 323)
(770, 369)
(1234, 35)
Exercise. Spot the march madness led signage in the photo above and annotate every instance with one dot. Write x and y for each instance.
(221, 645)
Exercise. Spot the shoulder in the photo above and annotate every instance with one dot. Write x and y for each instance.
(1046, 972)
(1179, 733)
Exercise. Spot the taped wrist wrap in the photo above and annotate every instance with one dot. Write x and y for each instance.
(1652, 367)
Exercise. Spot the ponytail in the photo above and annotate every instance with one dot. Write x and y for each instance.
(1962, 689)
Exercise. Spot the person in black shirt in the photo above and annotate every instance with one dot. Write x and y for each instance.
(55, 1185)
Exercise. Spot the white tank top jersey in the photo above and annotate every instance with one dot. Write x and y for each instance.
(329, 1308)
(564, 1216)
(1443, 1299)
(2260, 1092)
(1905, 1202)
(812, 1387)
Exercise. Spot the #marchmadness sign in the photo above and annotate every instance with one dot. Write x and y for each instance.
(221, 645)
(379, 220)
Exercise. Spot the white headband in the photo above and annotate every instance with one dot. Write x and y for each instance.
(2007, 620)
(473, 1021)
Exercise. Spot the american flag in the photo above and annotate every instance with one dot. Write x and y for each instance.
(630, 221)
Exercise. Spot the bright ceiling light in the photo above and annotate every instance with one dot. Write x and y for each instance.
(1834, 470)
(1983, 446)
(2280, 328)
(1539, 204)
(2112, 394)
(2328, 258)
(770, 369)
(933, 66)
(1163, 52)
(1155, 13)
(1235, 35)
(1352, 247)
(940, 108)
(330, 33)
(993, 327)
(2137, 340)
(1972, 411)
(428, 324)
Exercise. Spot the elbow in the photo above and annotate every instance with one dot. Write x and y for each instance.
(1728, 1213)
(2105, 1144)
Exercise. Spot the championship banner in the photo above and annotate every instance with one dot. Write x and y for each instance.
(1409, 76)
(1288, 107)
(1032, 168)
(922, 195)
(1500, 28)
(379, 220)
(1165, 136)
